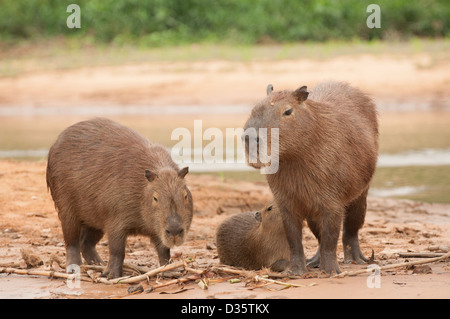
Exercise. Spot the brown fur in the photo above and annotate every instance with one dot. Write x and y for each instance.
(328, 145)
(253, 240)
(106, 178)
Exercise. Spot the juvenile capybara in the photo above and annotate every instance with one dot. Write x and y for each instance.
(327, 152)
(106, 178)
(253, 240)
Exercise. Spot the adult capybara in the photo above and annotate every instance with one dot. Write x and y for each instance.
(327, 152)
(253, 240)
(106, 178)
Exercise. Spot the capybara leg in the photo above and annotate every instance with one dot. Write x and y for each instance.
(89, 238)
(116, 241)
(163, 253)
(314, 261)
(294, 237)
(315, 228)
(331, 227)
(71, 228)
(353, 221)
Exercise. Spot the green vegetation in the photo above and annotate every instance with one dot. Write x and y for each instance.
(175, 22)
(75, 52)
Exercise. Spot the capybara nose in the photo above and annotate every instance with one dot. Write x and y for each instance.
(246, 139)
(174, 231)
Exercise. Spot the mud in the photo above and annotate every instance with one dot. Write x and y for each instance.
(29, 221)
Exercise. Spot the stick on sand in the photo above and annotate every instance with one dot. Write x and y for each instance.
(122, 280)
(393, 266)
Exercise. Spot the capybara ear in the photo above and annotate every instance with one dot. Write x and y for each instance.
(258, 216)
(182, 172)
(301, 94)
(150, 175)
(269, 89)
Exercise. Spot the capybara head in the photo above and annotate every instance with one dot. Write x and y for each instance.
(170, 206)
(279, 113)
(270, 219)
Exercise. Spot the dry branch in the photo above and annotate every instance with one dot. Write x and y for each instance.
(172, 282)
(420, 255)
(393, 266)
(149, 274)
(92, 277)
(45, 273)
(234, 271)
(287, 284)
(252, 274)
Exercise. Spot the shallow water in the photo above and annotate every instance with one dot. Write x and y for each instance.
(420, 138)
(425, 157)
(396, 191)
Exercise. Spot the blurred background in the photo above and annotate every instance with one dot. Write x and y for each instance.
(158, 65)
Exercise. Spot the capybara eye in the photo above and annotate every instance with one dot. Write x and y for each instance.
(288, 112)
(185, 197)
(155, 199)
(269, 208)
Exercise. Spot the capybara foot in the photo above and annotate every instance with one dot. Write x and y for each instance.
(92, 258)
(352, 251)
(112, 272)
(329, 266)
(355, 257)
(295, 270)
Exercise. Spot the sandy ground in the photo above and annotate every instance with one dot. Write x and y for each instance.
(28, 219)
(416, 79)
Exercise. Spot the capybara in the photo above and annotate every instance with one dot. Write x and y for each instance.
(253, 240)
(106, 178)
(327, 153)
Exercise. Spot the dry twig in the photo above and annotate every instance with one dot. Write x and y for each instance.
(287, 284)
(393, 266)
(172, 282)
(45, 273)
(92, 277)
(420, 255)
(151, 273)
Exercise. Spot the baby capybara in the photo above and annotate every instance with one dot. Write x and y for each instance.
(327, 153)
(106, 178)
(253, 240)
